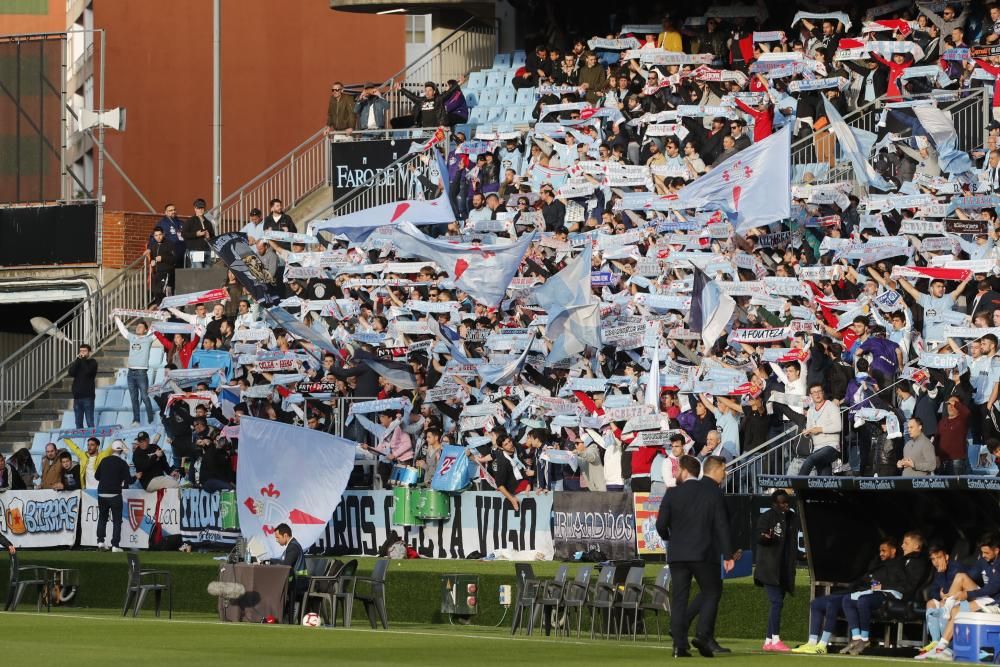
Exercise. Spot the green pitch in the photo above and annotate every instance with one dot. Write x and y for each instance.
(85, 638)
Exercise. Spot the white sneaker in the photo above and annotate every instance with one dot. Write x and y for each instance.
(941, 654)
(116, 550)
(135, 423)
(100, 546)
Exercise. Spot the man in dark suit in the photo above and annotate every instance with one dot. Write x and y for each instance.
(693, 521)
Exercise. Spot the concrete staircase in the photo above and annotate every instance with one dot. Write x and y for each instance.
(317, 204)
(45, 413)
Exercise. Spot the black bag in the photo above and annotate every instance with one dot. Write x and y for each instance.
(803, 446)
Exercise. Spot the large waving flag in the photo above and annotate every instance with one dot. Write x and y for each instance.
(755, 183)
(289, 474)
(857, 144)
(484, 271)
(711, 310)
(501, 374)
(574, 313)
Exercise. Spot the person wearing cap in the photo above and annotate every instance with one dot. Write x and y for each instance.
(112, 476)
(151, 466)
(371, 109)
(255, 228)
(198, 231)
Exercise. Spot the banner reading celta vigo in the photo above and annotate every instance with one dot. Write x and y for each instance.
(289, 474)
(477, 522)
(586, 521)
(209, 518)
(147, 518)
(39, 518)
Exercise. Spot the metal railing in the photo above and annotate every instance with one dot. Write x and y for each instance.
(768, 458)
(307, 167)
(970, 114)
(41, 362)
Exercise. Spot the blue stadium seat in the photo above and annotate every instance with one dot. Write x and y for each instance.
(495, 114)
(477, 115)
(472, 95)
(108, 417)
(514, 115)
(525, 96)
(464, 128)
(506, 97)
(157, 357)
(68, 420)
(501, 60)
(121, 377)
(113, 397)
(486, 128)
(488, 98)
(124, 417)
(518, 59)
(496, 79)
(39, 440)
(477, 80)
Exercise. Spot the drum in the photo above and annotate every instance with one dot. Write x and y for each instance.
(404, 507)
(404, 476)
(432, 505)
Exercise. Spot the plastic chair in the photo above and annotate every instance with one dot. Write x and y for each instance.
(525, 97)
(477, 80)
(526, 592)
(501, 60)
(518, 59)
(472, 95)
(374, 597)
(495, 80)
(604, 598)
(68, 420)
(506, 97)
(658, 597)
(488, 98)
(495, 114)
(324, 588)
(24, 577)
(575, 596)
(108, 417)
(344, 593)
(631, 600)
(142, 582)
(477, 116)
(38, 441)
(549, 600)
(514, 115)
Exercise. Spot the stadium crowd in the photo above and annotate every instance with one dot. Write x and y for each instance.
(592, 320)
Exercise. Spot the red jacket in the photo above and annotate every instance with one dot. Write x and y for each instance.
(763, 121)
(185, 352)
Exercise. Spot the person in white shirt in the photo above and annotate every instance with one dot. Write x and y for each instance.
(823, 425)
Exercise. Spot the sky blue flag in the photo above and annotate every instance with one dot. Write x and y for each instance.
(501, 374)
(755, 184)
(941, 129)
(570, 287)
(711, 309)
(856, 144)
(575, 329)
(483, 271)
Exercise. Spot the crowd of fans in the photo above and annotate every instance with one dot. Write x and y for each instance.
(879, 355)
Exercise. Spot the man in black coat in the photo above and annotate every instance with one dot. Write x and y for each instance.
(777, 545)
(83, 370)
(693, 521)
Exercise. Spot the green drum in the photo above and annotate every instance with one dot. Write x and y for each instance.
(404, 507)
(432, 505)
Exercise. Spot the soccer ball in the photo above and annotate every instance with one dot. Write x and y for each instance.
(311, 620)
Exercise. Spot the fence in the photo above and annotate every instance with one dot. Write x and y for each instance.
(768, 458)
(41, 362)
(970, 113)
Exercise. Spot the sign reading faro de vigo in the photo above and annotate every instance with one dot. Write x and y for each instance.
(39, 518)
(358, 163)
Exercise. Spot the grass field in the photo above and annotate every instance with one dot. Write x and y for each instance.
(86, 638)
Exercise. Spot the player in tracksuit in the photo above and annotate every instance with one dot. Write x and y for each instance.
(979, 590)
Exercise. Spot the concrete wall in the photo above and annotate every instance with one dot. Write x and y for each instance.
(278, 61)
(125, 237)
(35, 16)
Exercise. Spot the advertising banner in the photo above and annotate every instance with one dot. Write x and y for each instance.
(480, 522)
(209, 518)
(39, 518)
(147, 518)
(647, 508)
(593, 521)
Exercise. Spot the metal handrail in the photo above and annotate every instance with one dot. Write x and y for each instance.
(41, 362)
(307, 168)
(741, 472)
